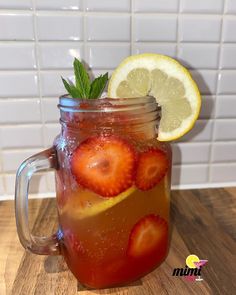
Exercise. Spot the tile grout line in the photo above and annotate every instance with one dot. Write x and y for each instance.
(217, 94)
(109, 12)
(178, 31)
(56, 69)
(39, 82)
(38, 70)
(104, 42)
(85, 49)
(25, 124)
(132, 14)
(177, 56)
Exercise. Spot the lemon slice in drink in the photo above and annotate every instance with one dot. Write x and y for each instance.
(165, 79)
(85, 203)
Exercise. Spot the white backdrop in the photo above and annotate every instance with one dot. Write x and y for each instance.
(39, 38)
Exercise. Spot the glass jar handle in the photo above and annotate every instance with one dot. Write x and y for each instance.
(38, 245)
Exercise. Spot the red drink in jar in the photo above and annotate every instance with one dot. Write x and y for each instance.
(113, 190)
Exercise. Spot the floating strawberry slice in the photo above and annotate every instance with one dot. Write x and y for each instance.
(149, 235)
(151, 168)
(104, 165)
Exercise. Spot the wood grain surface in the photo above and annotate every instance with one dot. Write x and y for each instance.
(203, 223)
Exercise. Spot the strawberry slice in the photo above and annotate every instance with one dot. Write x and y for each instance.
(149, 235)
(151, 168)
(104, 165)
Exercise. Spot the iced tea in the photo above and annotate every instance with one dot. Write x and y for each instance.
(113, 200)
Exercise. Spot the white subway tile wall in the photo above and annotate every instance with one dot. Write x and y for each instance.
(51, 84)
(18, 84)
(40, 38)
(15, 4)
(22, 56)
(202, 132)
(223, 173)
(16, 26)
(183, 153)
(102, 27)
(106, 56)
(169, 49)
(108, 5)
(224, 152)
(230, 6)
(202, 6)
(152, 28)
(50, 132)
(208, 107)
(156, 6)
(59, 26)
(58, 4)
(190, 174)
(13, 158)
(59, 55)
(226, 106)
(225, 130)
(228, 60)
(25, 110)
(229, 33)
(199, 28)
(21, 136)
(199, 55)
(37, 184)
(206, 80)
(50, 110)
(227, 83)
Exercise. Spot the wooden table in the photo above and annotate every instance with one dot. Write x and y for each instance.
(204, 223)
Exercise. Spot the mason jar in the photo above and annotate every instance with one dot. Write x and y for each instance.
(112, 190)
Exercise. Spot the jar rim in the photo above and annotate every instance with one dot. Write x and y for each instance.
(69, 104)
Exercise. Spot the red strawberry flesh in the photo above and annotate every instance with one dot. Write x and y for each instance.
(104, 164)
(151, 168)
(148, 236)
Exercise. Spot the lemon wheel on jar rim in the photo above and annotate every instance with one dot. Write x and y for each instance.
(165, 79)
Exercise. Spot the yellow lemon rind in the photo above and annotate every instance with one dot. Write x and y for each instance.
(120, 73)
(81, 213)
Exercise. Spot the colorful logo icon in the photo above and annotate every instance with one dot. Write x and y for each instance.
(192, 270)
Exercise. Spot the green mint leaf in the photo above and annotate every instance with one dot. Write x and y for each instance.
(72, 90)
(82, 87)
(98, 86)
(82, 79)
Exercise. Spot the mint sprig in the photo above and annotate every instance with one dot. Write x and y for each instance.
(98, 86)
(81, 79)
(71, 89)
(83, 87)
